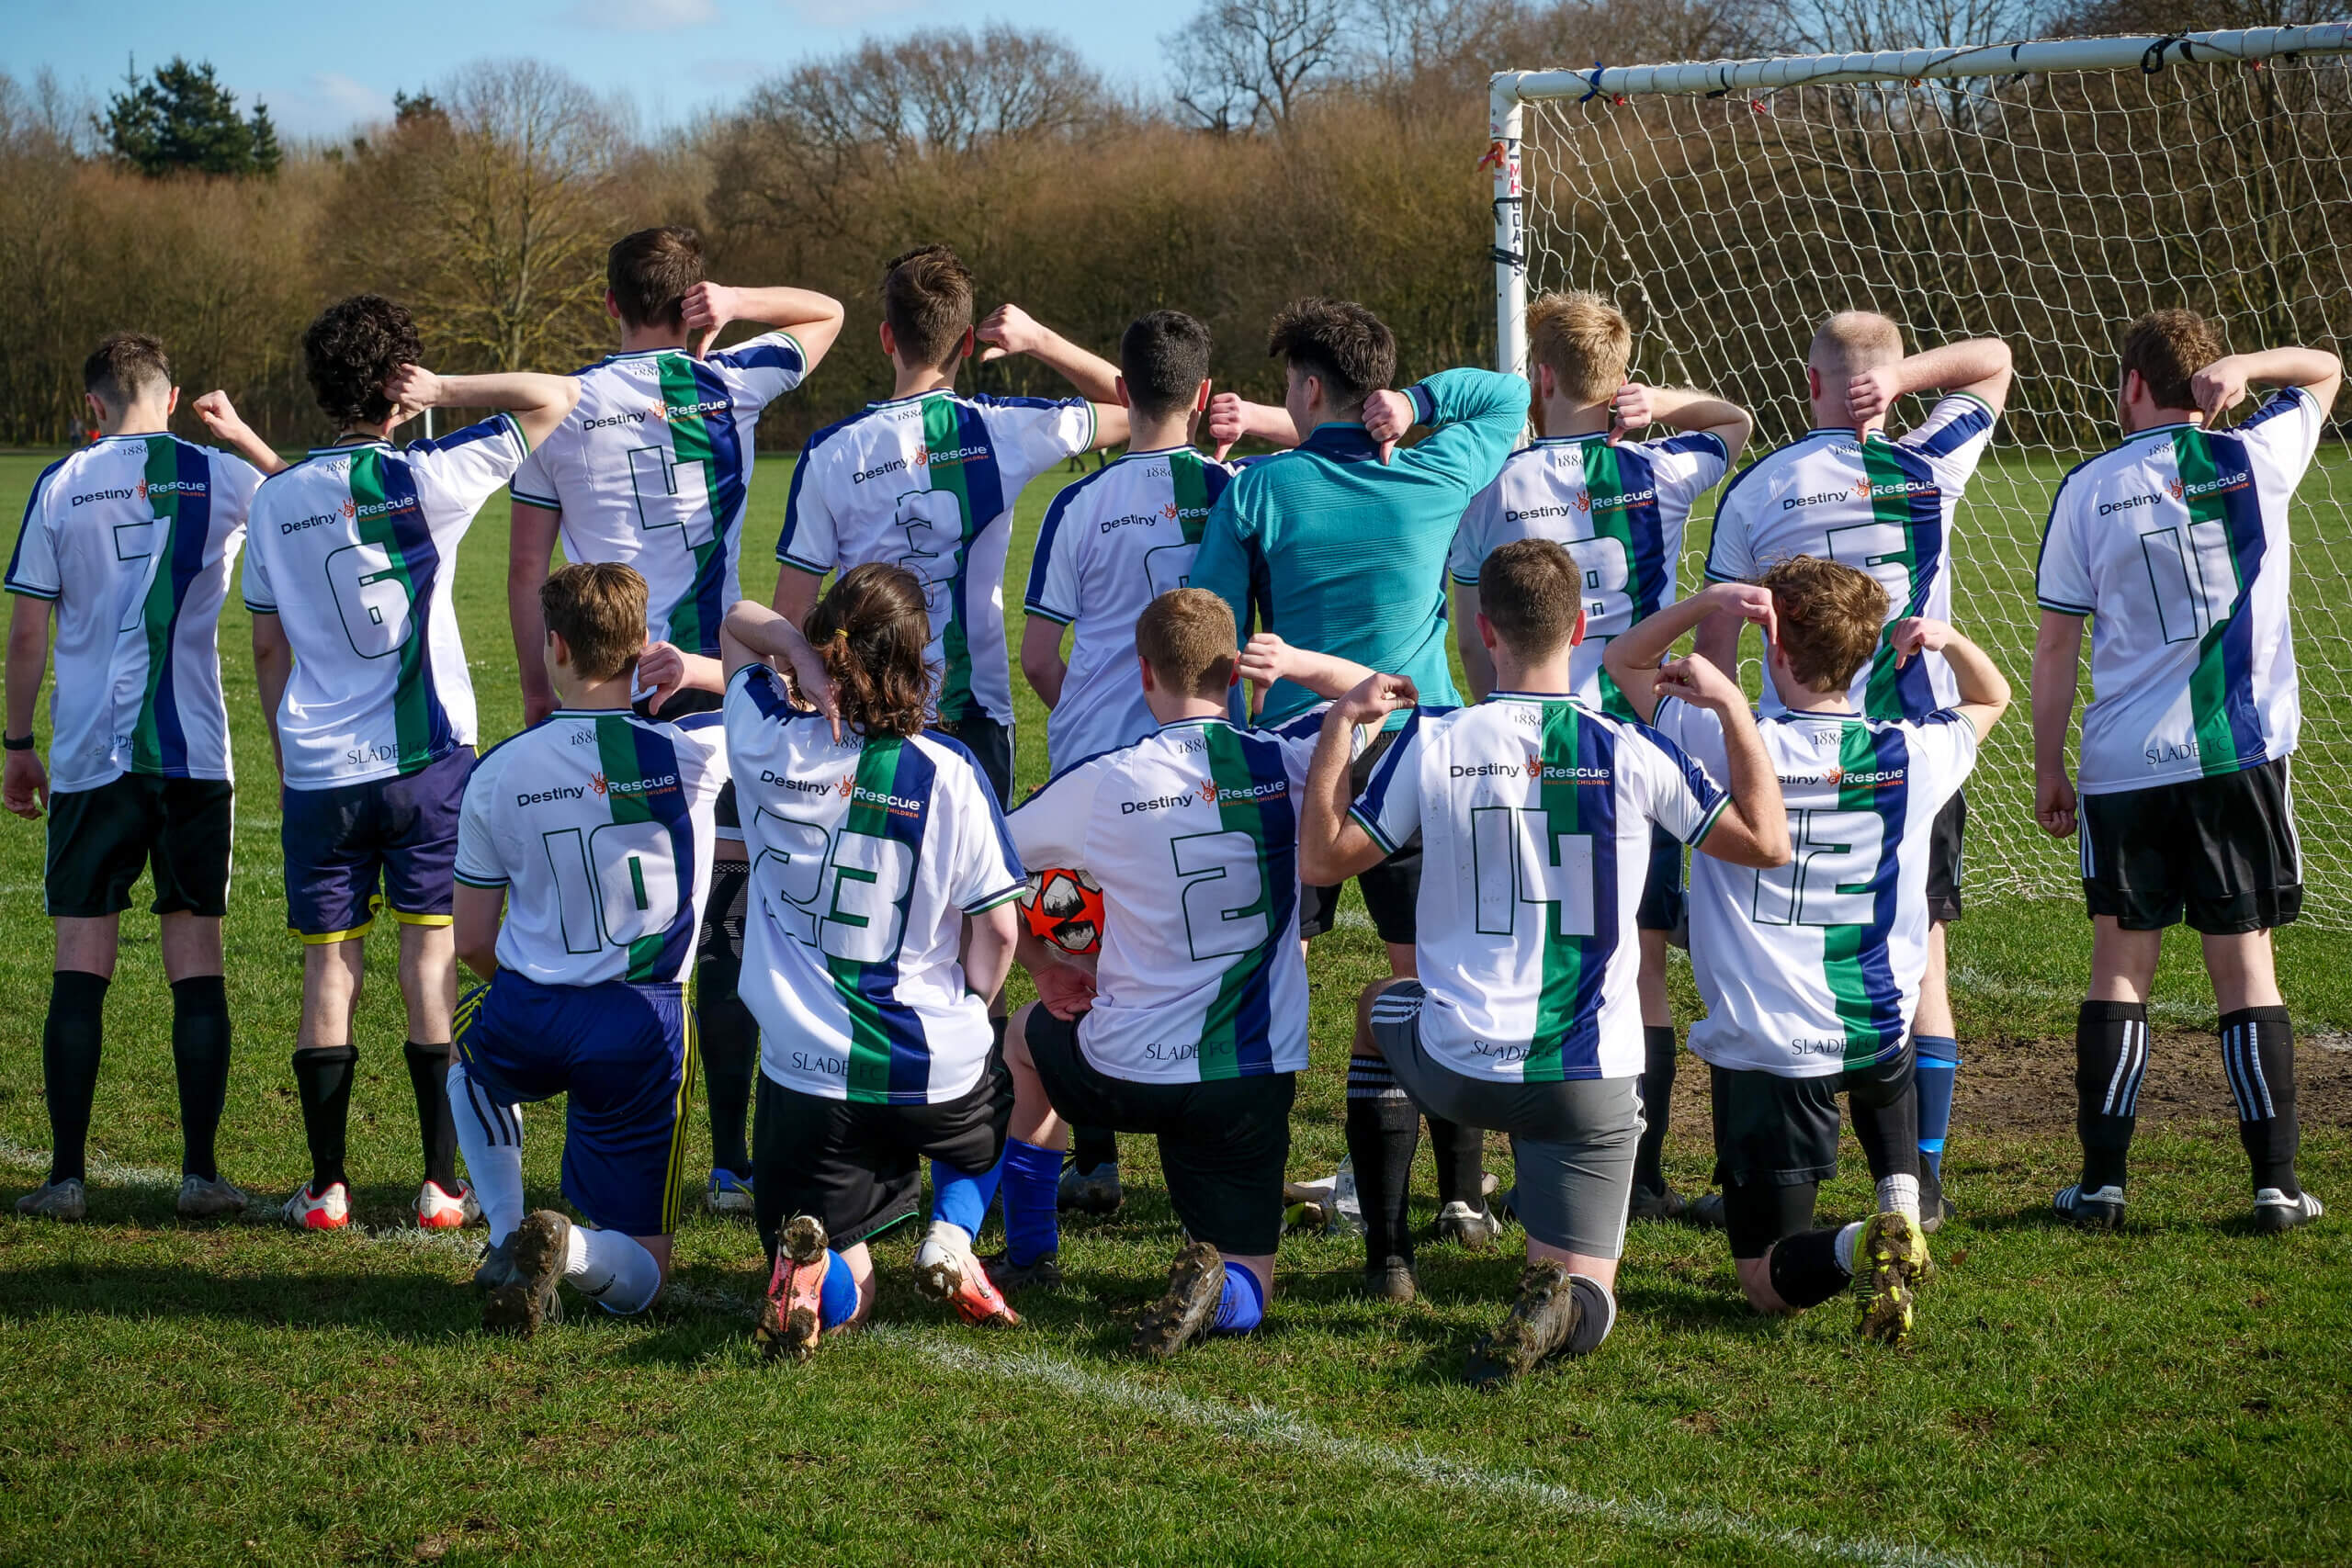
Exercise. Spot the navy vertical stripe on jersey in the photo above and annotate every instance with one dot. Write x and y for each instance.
(656, 757)
(191, 528)
(32, 508)
(1883, 994)
(1278, 838)
(2249, 542)
(1596, 796)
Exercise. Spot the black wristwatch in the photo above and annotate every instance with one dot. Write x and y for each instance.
(16, 742)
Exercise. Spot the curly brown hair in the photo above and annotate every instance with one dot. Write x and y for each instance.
(1831, 617)
(354, 347)
(2168, 348)
(871, 630)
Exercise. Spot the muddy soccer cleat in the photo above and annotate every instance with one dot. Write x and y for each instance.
(2100, 1208)
(2275, 1211)
(1662, 1203)
(1539, 1326)
(312, 1210)
(1473, 1228)
(728, 1194)
(438, 1209)
(497, 1266)
(1391, 1279)
(947, 1272)
(792, 1315)
(203, 1199)
(67, 1201)
(1187, 1310)
(528, 1301)
(1890, 1262)
(1092, 1191)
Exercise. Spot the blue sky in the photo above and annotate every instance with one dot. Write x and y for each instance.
(324, 67)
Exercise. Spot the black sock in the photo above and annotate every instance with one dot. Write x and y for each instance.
(728, 1040)
(1596, 1315)
(1384, 1132)
(2110, 1059)
(69, 1067)
(1885, 1108)
(1093, 1148)
(1655, 1086)
(1461, 1161)
(2258, 1052)
(323, 1075)
(200, 1061)
(1804, 1268)
(437, 1126)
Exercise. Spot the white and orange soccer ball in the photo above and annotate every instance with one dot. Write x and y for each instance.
(1064, 908)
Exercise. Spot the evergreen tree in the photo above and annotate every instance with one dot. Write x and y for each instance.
(182, 118)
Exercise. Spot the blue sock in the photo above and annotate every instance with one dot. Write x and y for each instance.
(1243, 1305)
(1939, 1059)
(960, 1198)
(838, 1302)
(1032, 1177)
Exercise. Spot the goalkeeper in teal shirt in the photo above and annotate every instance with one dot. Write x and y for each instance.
(1342, 547)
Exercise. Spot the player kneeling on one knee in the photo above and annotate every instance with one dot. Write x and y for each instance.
(1811, 972)
(1526, 1016)
(877, 851)
(591, 832)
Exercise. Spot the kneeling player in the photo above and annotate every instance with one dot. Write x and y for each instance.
(591, 830)
(872, 842)
(1812, 974)
(1526, 1016)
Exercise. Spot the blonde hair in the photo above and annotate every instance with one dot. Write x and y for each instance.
(1585, 340)
(1854, 341)
(1187, 637)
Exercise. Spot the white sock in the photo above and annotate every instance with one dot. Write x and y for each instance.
(1849, 1238)
(1899, 1195)
(491, 1137)
(612, 1268)
(943, 1236)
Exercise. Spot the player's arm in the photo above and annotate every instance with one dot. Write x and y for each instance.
(1635, 657)
(1684, 409)
(1753, 829)
(754, 634)
(2057, 674)
(273, 662)
(1009, 329)
(530, 551)
(1978, 366)
(796, 592)
(1474, 417)
(1266, 659)
(536, 402)
(1477, 664)
(1041, 657)
(2223, 385)
(1332, 845)
(220, 417)
(1983, 690)
(23, 783)
(1065, 981)
(1234, 418)
(989, 939)
(814, 320)
(474, 917)
(665, 670)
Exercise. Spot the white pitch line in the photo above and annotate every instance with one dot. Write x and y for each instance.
(1264, 1425)
(1976, 981)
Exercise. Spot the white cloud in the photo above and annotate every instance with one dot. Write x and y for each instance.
(847, 13)
(641, 15)
(337, 94)
(327, 104)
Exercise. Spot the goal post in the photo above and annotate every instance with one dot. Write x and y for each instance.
(2044, 191)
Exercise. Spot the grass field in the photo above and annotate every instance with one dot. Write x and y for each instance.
(2177, 1393)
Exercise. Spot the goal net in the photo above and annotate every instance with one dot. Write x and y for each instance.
(2046, 192)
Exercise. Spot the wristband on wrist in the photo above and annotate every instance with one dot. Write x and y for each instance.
(16, 742)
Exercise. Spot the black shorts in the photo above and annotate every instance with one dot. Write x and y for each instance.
(1776, 1142)
(990, 744)
(858, 1167)
(2220, 851)
(1663, 907)
(99, 841)
(1392, 890)
(1944, 847)
(727, 825)
(1224, 1144)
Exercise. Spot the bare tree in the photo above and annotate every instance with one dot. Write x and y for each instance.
(1242, 64)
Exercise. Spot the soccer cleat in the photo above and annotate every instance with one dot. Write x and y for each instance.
(792, 1315)
(1540, 1322)
(727, 1192)
(1705, 1211)
(68, 1201)
(947, 1272)
(1045, 1274)
(1890, 1260)
(1309, 1205)
(438, 1209)
(1092, 1191)
(497, 1266)
(2100, 1208)
(1934, 1207)
(1185, 1312)
(203, 1199)
(1665, 1203)
(310, 1210)
(1473, 1228)
(536, 1253)
(1391, 1279)
(2275, 1211)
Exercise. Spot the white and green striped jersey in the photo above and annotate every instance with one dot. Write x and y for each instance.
(654, 469)
(597, 823)
(1814, 967)
(353, 549)
(866, 857)
(1533, 813)
(133, 537)
(1618, 509)
(2176, 545)
(928, 483)
(1192, 834)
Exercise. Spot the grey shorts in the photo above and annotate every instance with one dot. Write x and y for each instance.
(1573, 1142)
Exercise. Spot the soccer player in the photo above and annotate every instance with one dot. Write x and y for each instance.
(655, 468)
(583, 862)
(927, 481)
(1812, 970)
(357, 652)
(2176, 545)
(1191, 1022)
(877, 849)
(1346, 544)
(128, 544)
(1846, 492)
(1618, 506)
(1534, 813)
(1112, 543)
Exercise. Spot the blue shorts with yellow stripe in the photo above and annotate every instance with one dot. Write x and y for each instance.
(623, 1054)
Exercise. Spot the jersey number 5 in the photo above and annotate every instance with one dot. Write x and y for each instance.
(844, 895)
(1516, 859)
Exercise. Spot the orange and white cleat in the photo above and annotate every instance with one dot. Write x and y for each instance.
(792, 1315)
(946, 1270)
(438, 1209)
(312, 1210)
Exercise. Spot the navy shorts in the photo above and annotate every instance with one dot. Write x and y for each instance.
(402, 832)
(621, 1055)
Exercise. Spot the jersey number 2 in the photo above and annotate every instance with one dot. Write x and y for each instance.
(1224, 893)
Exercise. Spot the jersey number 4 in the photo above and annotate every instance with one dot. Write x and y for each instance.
(1833, 880)
(1515, 858)
(671, 494)
(619, 883)
(844, 895)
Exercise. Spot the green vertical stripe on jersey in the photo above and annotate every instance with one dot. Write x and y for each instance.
(1891, 505)
(1191, 486)
(1221, 1045)
(1604, 488)
(868, 1079)
(2208, 684)
(1841, 946)
(412, 722)
(1564, 956)
(690, 442)
(616, 754)
(941, 432)
(156, 611)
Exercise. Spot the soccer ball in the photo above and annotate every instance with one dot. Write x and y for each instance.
(1064, 908)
